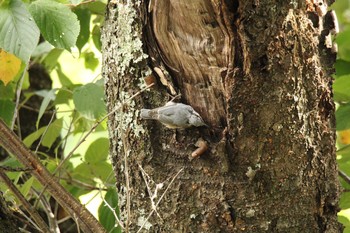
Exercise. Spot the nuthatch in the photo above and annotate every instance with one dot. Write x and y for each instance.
(174, 115)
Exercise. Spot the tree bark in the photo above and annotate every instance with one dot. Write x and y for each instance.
(259, 73)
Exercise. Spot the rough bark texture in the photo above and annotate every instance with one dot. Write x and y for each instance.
(259, 74)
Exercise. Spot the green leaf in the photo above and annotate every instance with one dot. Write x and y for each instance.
(97, 151)
(345, 201)
(19, 34)
(106, 216)
(52, 133)
(96, 37)
(63, 96)
(26, 186)
(341, 88)
(8, 91)
(98, 8)
(48, 97)
(64, 80)
(57, 23)
(26, 82)
(343, 150)
(76, 2)
(342, 115)
(102, 170)
(89, 101)
(344, 220)
(343, 44)
(91, 62)
(7, 109)
(342, 67)
(81, 124)
(31, 138)
(84, 172)
(84, 16)
(51, 59)
(42, 49)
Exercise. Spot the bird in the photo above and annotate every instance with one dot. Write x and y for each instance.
(174, 115)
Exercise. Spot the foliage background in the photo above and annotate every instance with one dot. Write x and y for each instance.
(69, 50)
(341, 89)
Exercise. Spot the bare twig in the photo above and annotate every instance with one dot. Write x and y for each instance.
(152, 195)
(18, 96)
(30, 221)
(113, 211)
(127, 183)
(160, 199)
(15, 146)
(82, 185)
(47, 208)
(65, 139)
(35, 215)
(75, 5)
(344, 176)
(44, 133)
(95, 126)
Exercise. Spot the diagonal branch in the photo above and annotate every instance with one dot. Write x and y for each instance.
(15, 146)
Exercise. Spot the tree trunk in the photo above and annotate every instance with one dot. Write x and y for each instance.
(259, 73)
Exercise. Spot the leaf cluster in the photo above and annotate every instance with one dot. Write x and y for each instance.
(341, 90)
(41, 33)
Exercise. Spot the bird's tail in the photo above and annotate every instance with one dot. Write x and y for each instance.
(146, 114)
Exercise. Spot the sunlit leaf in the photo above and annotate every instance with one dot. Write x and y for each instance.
(63, 96)
(10, 67)
(341, 88)
(342, 114)
(31, 138)
(7, 92)
(52, 133)
(49, 95)
(344, 45)
(25, 188)
(57, 23)
(7, 108)
(344, 136)
(91, 62)
(84, 16)
(64, 79)
(43, 48)
(97, 151)
(345, 201)
(96, 37)
(51, 59)
(342, 67)
(106, 215)
(19, 34)
(89, 101)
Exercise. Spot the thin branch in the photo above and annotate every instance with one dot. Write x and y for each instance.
(45, 131)
(47, 208)
(15, 146)
(113, 211)
(65, 139)
(29, 220)
(18, 96)
(127, 181)
(35, 215)
(344, 176)
(95, 126)
(82, 185)
(46, 111)
(152, 195)
(82, 3)
(160, 199)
